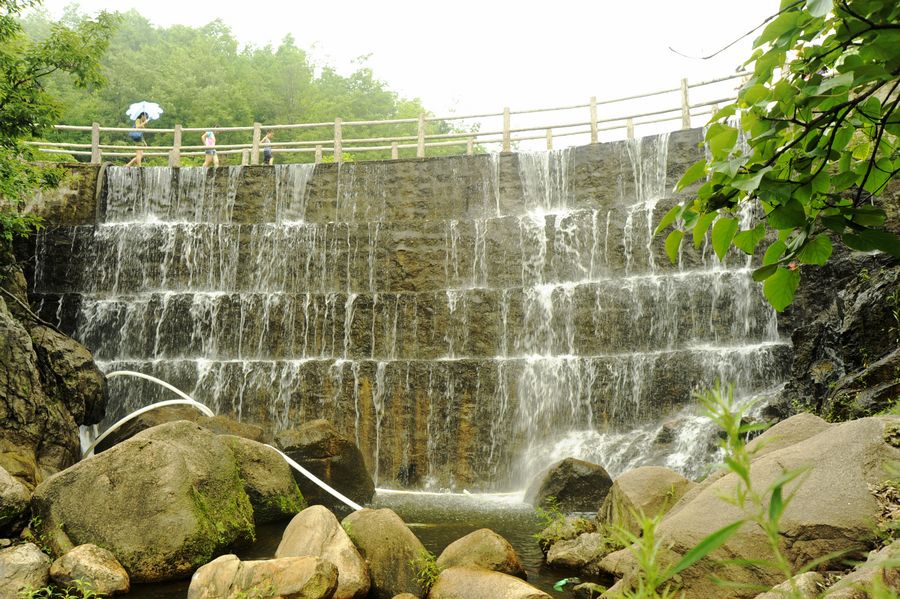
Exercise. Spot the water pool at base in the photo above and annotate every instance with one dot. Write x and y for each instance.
(437, 519)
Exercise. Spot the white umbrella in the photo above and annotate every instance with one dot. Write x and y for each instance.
(152, 109)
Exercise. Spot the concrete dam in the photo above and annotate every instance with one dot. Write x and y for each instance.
(467, 320)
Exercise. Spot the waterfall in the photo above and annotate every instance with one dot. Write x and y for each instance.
(470, 319)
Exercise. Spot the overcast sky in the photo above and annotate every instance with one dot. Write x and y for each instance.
(470, 56)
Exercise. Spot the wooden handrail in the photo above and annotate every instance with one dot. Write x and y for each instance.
(418, 141)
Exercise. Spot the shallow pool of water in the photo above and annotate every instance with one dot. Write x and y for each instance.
(437, 519)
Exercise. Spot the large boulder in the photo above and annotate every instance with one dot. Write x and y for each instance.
(48, 386)
(22, 567)
(564, 529)
(164, 502)
(484, 549)
(463, 582)
(394, 554)
(315, 531)
(802, 586)
(14, 499)
(832, 509)
(93, 566)
(221, 425)
(797, 428)
(576, 485)
(649, 490)
(289, 577)
(318, 447)
(268, 480)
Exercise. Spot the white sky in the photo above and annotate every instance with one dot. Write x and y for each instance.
(473, 56)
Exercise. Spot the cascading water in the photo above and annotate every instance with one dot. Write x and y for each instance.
(467, 321)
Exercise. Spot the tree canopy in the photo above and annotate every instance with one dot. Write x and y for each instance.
(26, 107)
(812, 140)
(202, 76)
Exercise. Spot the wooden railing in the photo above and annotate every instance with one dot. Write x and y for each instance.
(587, 125)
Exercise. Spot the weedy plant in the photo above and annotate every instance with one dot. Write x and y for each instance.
(427, 569)
(79, 589)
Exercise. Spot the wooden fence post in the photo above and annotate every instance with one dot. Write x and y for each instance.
(629, 127)
(506, 134)
(685, 106)
(95, 143)
(470, 146)
(254, 152)
(175, 152)
(395, 151)
(420, 149)
(549, 139)
(594, 119)
(245, 157)
(337, 140)
(318, 154)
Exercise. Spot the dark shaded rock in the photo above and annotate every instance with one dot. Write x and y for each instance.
(14, 500)
(564, 529)
(163, 502)
(393, 552)
(318, 447)
(576, 485)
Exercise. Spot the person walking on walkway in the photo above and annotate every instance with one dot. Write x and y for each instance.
(137, 136)
(209, 140)
(266, 142)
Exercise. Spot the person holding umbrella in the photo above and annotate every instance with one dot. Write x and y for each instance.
(209, 140)
(138, 137)
(141, 112)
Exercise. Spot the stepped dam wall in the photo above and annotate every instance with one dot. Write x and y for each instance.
(468, 320)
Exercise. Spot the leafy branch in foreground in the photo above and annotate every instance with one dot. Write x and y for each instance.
(820, 120)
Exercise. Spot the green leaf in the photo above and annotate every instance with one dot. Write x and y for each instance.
(867, 216)
(869, 240)
(835, 223)
(721, 140)
(673, 242)
(755, 93)
(764, 272)
(747, 241)
(780, 287)
(722, 233)
(818, 8)
(700, 228)
(787, 216)
(879, 176)
(776, 504)
(668, 219)
(778, 27)
(749, 183)
(816, 251)
(774, 252)
(844, 79)
(706, 546)
(697, 170)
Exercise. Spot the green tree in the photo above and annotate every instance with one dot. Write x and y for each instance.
(26, 109)
(819, 121)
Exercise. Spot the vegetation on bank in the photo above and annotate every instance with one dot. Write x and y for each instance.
(203, 77)
(816, 142)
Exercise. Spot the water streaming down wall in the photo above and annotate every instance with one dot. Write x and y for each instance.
(470, 319)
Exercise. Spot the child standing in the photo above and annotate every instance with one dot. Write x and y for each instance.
(209, 140)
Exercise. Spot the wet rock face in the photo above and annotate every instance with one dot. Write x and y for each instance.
(49, 385)
(846, 337)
